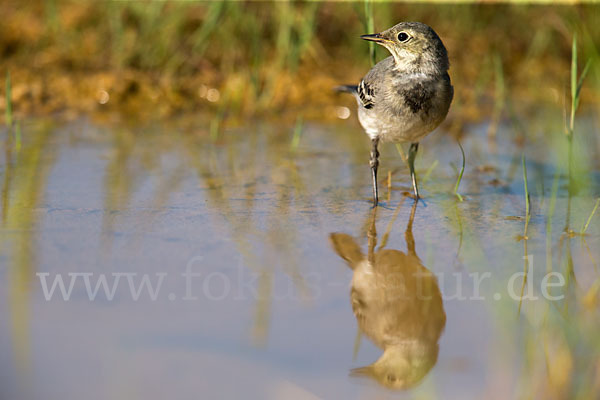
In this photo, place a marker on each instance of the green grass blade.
(584, 228)
(573, 82)
(585, 71)
(460, 174)
(574, 67)
(580, 83)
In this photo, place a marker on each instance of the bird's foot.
(416, 198)
(379, 204)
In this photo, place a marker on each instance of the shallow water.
(249, 297)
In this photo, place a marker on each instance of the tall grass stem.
(370, 28)
(8, 111)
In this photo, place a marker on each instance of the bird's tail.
(352, 89)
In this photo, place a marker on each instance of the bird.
(397, 304)
(407, 95)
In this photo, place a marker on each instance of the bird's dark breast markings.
(418, 97)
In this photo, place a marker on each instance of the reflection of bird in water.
(398, 305)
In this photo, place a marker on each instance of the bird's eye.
(403, 37)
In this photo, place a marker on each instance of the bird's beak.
(374, 37)
(363, 372)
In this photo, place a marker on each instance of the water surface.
(249, 297)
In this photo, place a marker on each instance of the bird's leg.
(412, 153)
(374, 163)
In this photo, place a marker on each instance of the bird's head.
(415, 46)
(402, 366)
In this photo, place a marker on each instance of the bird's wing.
(370, 86)
(366, 94)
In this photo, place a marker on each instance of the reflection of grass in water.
(25, 180)
(18, 136)
(131, 162)
(297, 133)
(431, 168)
(240, 225)
(525, 237)
(228, 171)
(119, 182)
(216, 125)
(562, 338)
(549, 216)
(459, 221)
(223, 177)
(120, 178)
(527, 197)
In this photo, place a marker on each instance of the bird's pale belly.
(409, 127)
